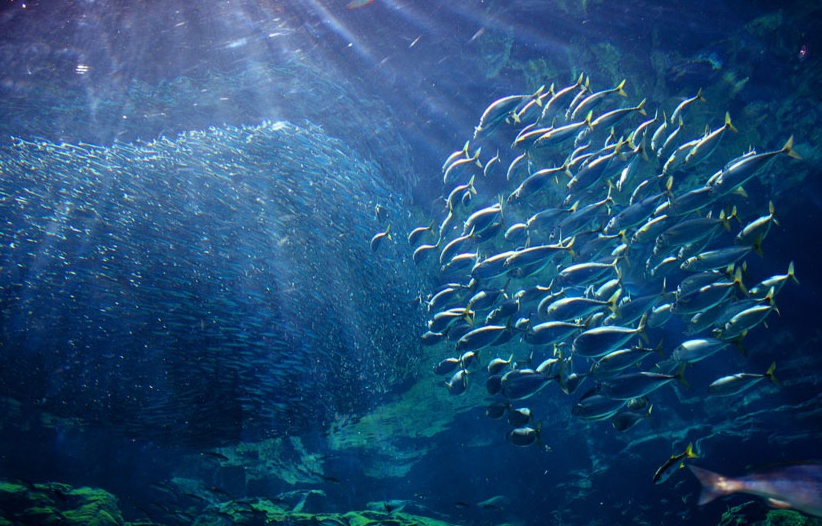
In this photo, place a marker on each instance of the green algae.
(55, 503)
(752, 513)
(789, 518)
(263, 511)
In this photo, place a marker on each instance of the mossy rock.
(263, 511)
(41, 515)
(94, 507)
(11, 488)
(93, 515)
(55, 503)
(355, 519)
(789, 518)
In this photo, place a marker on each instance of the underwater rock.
(263, 511)
(283, 458)
(789, 518)
(55, 503)
(415, 417)
(752, 513)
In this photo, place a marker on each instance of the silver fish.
(595, 99)
(754, 232)
(600, 341)
(482, 219)
(446, 366)
(524, 436)
(680, 109)
(708, 144)
(606, 120)
(628, 419)
(421, 251)
(550, 332)
(618, 361)
(418, 232)
(775, 283)
(480, 337)
(676, 462)
(519, 417)
(560, 100)
(742, 169)
(692, 351)
(496, 365)
(715, 259)
(458, 383)
(736, 383)
(534, 182)
(520, 384)
(377, 239)
(561, 134)
(491, 266)
(744, 321)
(594, 406)
(501, 109)
(634, 385)
(574, 308)
(462, 169)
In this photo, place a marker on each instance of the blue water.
(191, 313)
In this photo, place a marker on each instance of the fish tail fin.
(769, 298)
(791, 273)
(770, 374)
(641, 327)
(772, 212)
(713, 484)
(788, 148)
(689, 451)
(613, 301)
(680, 377)
(729, 124)
(536, 95)
(644, 147)
(669, 183)
(738, 280)
(699, 96)
(725, 218)
(640, 108)
(757, 247)
(658, 349)
(738, 343)
(619, 90)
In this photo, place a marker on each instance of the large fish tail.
(713, 484)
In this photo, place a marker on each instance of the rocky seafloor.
(23, 503)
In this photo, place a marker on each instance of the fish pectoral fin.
(776, 503)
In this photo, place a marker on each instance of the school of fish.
(574, 231)
(183, 290)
